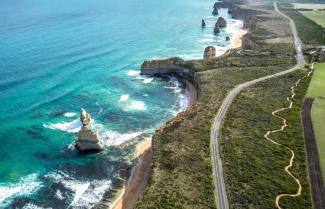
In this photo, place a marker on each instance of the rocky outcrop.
(203, 23)
(171, 66)
(209, 52)
(216, 29)
(227, 38)
(221, 22)
(88, 139)
(215, 11)
(248, 42)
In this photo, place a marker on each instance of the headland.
(188, 75)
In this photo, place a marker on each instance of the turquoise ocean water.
(59, 56)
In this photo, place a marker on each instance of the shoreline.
(138, 179)
(141, 172)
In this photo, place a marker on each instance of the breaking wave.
(25, 186)
(71, 127)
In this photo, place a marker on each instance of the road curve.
(222, 201)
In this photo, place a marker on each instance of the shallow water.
(59, 56)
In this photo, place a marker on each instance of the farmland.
(316, 91)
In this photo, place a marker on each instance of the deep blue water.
(59, 56)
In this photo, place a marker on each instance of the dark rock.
(227, 38)
(57, 113)
(41, 155)
(37, 115)
(203, 23)
(215, 11)
(216, 29)
(221, 22)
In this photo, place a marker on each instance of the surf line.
(267, 136)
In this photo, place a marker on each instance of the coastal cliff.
(175, 67)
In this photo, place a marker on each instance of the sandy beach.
(141, 173)
(237, 43)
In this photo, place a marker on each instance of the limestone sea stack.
(221, 22)
(216, 29)
(88, 139)
(215, 11)
(209, 52)
(203, 23)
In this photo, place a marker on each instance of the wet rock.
(209, 52)
(216, 29)
(57, 113)
(221, 22)
(41, 155)
(215, 11)
(227, 38)
(203, 23)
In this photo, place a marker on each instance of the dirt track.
(317, 184)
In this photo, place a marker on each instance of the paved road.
(222, 201)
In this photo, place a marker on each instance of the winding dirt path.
(285, 124)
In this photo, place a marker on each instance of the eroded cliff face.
(88, 139)
(209, 52)
(171, 66)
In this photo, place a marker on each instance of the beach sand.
(237, 40)
(141, 173)
(138, 180)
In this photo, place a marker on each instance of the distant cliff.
(171, 66)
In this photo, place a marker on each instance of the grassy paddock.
(308, 6)
(317, 91)
(253, 166)
(316, 16)
(309, 31)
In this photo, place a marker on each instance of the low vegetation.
(316, 16)
(316, 91)
(253, 166)
(309, 31)
(181, 169)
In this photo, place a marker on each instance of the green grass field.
(310, 31)
(317, 85)
(316, 16)
(308, 6)
(317, 91)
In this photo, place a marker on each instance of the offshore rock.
(203, 23)
(216, 29)
(88, 139)
(227, 38)
(209, 52)
(215, 11)
(221, 22)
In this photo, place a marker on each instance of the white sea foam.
(124, 97)
(80, 189)
(134, 105)
(112, 138)
(86, 193)
(93, 194)
(206, 40)
(32, 206)
(71, 127)
(133, 72)
(147, 80)
(137, 105)
(25, 186)
(70, 114)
